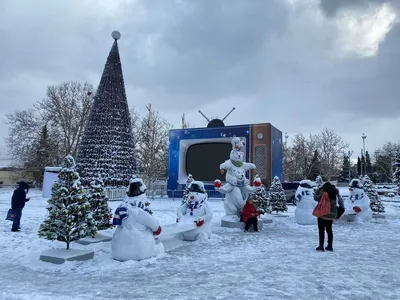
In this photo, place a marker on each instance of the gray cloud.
(274, 62)
(331, 7)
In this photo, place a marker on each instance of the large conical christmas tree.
(70, 217)
(107, 146)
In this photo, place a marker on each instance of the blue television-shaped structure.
(200, 151)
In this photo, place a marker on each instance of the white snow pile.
(280, 262)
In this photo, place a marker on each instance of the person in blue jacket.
(18, 203)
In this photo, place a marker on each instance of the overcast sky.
(300, 64)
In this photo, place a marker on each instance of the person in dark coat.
(325, 222)
(249, 215)
(18, 201)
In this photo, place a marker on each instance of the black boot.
(329, 248)
(320, 248)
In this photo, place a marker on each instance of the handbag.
(10, 215)
(323, 207)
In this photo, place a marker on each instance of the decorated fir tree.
(69, 215)
(376, 203)
(277, 196)
(107, 145)
(260, 197)
(98, 199)
(396, 168)
(186, 191)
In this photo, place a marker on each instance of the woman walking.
(325, 222)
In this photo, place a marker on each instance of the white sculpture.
(196, 210)
(305, 203)
(133, 238)
(236, 162)
(237, 186)
(357, 206)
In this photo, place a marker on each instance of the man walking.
(18, 203)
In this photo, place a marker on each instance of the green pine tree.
(376, 203)
(396, 168)
(98, 199)
(69, 214)
(261, 199)
(277, 196)
(368, 164)
(344, 174)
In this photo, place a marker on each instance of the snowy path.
(278, 263)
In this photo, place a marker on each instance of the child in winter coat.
(249, 215)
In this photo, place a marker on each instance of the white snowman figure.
(196, 210)
(134, 237)
(357, 206)
(305, 203)
(236, 162)
(237, 187)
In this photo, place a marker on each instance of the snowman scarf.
(244, 193)
(194, 205)
(121, 213)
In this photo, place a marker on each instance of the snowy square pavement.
(278, 263)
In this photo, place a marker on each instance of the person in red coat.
(249, 215)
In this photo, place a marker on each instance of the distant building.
(11, 175)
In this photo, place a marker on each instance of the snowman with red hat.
(196, 210)
(357, 206)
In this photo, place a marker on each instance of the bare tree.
(300, 156)
(318, 153)
(331, 147)
(153, 146)
(44, 153)
(66, 107)
(23, 129)
(136, 125)
(384, 159)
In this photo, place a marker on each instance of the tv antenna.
(216, 122)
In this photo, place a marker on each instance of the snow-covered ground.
(278, 263)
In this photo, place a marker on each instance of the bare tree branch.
(67, 107)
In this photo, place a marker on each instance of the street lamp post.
(349, 155)
(363, 136)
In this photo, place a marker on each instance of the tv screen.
(203, 160)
